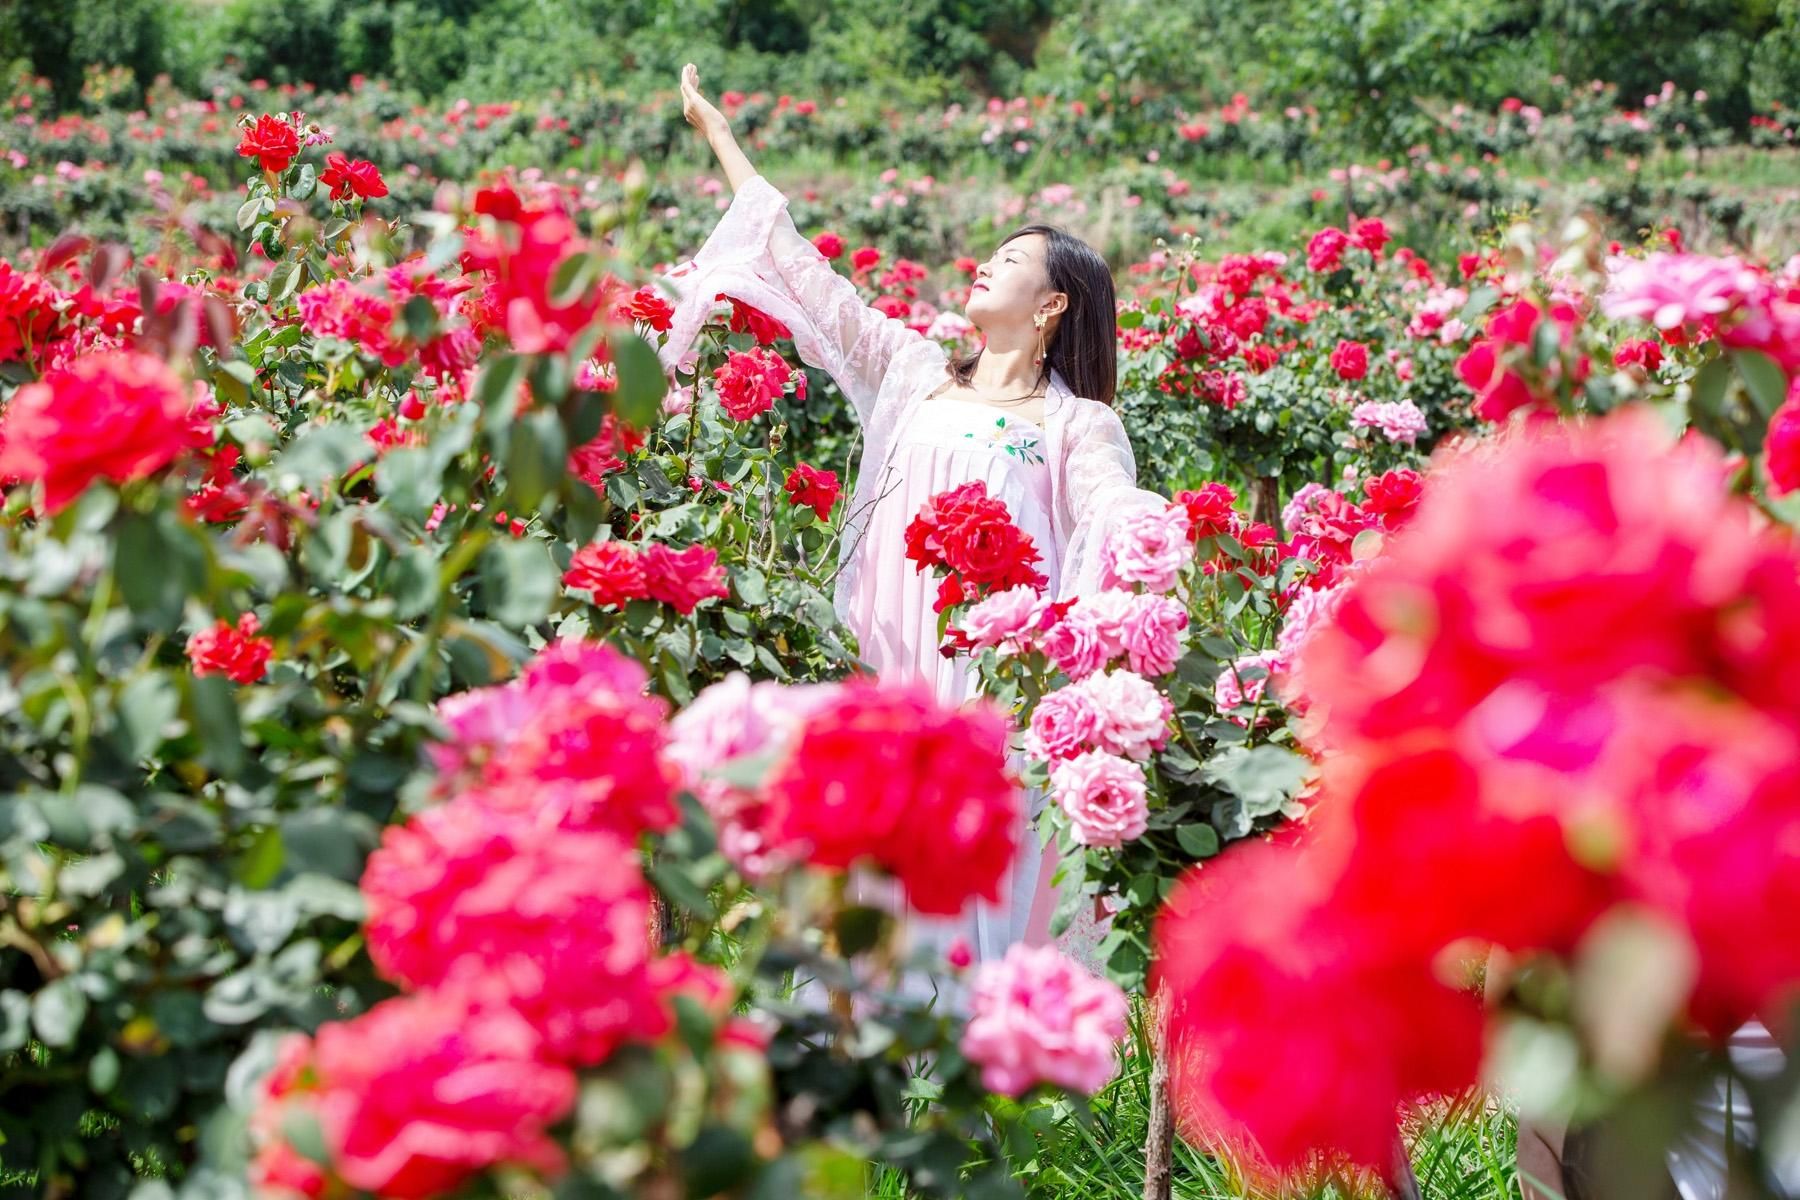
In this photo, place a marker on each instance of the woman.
(1028, 415)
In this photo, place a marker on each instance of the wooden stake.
(1159, 1140)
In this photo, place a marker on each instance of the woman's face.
(1011, 285)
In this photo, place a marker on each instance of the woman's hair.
(1085, 348)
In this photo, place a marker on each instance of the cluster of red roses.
(519, 252)
(970, 536)
(121, 416)
(1561, 697)
(516, 916)
(1505, 382)
(615, 571)
(750, 382)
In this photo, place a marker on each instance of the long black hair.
(1085, 348)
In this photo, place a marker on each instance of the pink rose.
(1005, 619)
(1149, 548)
(1246, 681)
(1038, 1017)
(1103, 797)
(1151, 633)
(1307, 609)
(1062, 725)
(1133, 717)
(729, 721)
(1076, 644)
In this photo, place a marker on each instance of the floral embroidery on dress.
(1015, 441)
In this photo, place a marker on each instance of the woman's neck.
(1002, 370)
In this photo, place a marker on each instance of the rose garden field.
(432, 763)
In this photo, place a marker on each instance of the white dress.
(944, 444)
(914, 446)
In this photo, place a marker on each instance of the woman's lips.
(979, 287)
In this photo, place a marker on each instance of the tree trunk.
(1265, 501)
(1159, 1141)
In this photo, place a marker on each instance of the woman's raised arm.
(833, 329)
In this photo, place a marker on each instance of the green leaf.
(858, 928)
(714, 1162)
(642, 386)
(248, 211)
(412, 580)
(1765, 379)
(214, 701)
(497, 391)
(306, 184)
(519, 581)
(1263, 777)
(1201, 841)
(284, 281)
(420, 318)
(752, 586)
(15, 1020)
(321, 454)
(573, 278)
(261, 860)
(57, 1012)
(536, 460)
(146, 706)
(158, 563)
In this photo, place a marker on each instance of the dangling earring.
(1038, 319)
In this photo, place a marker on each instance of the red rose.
(1371, 234)
(1287, 1030)
(1211, 511)
(1639, 353)
(1325, 252)
(749, 383)
(886, 774)
(1350, 360)
(121, 415)
(1394, 495)
(683, 578)
(592, 462)
(236, 653)
(271, 141)
(415, 1096)
(865, 258)
(1498, 392)
(609, 571)
(808, 485)
(647, 306)
(1781, 448)
(757, 323)
(1261, 357)
(829, 244)
(344, 177)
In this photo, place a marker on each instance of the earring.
(1038, 319)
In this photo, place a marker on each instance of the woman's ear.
(1056, 305)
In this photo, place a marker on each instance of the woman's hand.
(697, 109)
(701, 114)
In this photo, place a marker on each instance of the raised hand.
(697, 109)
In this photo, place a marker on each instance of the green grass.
(1461, 1150)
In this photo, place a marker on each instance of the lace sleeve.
(855, 342)
(1099, 488)
(757, 256)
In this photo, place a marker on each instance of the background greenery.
(1362, 62)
